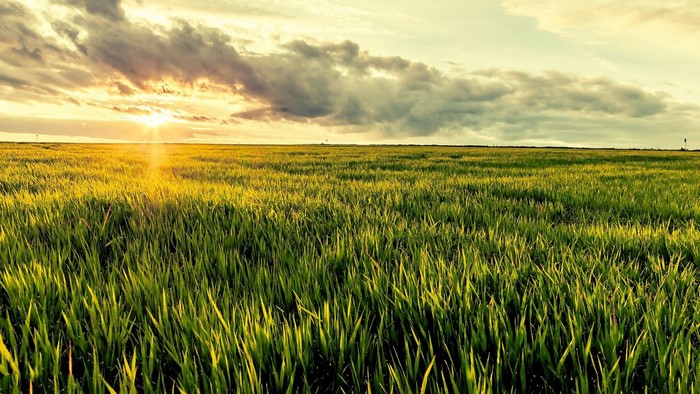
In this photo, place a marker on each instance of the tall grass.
(356, 269)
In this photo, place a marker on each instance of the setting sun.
(155, 120)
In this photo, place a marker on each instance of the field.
(140, 268)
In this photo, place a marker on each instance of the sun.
(155, 120)
(152, 120)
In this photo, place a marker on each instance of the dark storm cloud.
(123, 89)
(185, 53)
(342, 85)
(20, 42)
(109, 9)
(557, 91)
(347, 53)
(12, 81)
(196, 118)
(331, 84)
(131, 109)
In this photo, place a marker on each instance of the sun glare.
(155, 120)
(152, 120)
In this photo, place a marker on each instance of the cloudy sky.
(614, 73)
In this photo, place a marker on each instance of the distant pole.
(685, 141)
(37, 138)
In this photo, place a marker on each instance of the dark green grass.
(326, 269)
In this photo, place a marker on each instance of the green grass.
(133, 268)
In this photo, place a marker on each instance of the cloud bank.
(338, 85)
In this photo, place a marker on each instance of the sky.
(601, 73)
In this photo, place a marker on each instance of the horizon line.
(379, 145)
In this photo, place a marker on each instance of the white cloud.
(663, 20)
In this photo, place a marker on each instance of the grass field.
(134, 268)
